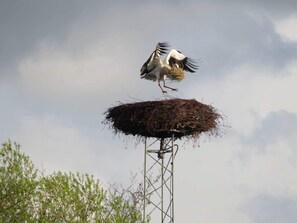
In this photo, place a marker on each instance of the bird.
(172, 66)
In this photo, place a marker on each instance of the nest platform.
(164, 118)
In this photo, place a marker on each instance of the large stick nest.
(162, 119)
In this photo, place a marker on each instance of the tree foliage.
(27, 195)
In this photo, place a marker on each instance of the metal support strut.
(159, 179)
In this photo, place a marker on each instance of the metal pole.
(162, 180)
(172, 179)
(144, 180)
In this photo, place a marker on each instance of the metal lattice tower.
(158, 192)
(161, 123)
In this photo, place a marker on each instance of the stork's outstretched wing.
(176, 58)
(148, 66)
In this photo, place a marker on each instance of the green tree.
(28, 196)
(68, 197)
(18, 180)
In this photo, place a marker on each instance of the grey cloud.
(23, 24)
(223, 36)
(268, 209)
(276, 124)
(278, 8)
(233, 38)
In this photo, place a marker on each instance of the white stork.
(172, 67)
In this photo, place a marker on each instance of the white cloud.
(56, 145)
(286, 28)
(51, 143)
(94, 70)
(271, 172)
(247, 95)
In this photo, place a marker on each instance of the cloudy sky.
(63, 63)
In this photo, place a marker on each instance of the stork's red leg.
(164, 92)
(173, 89)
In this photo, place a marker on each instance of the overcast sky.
(63, 63)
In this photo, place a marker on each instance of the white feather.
(175, 54)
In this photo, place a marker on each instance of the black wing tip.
(190, 65)
(163, 47)
(163, 44)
